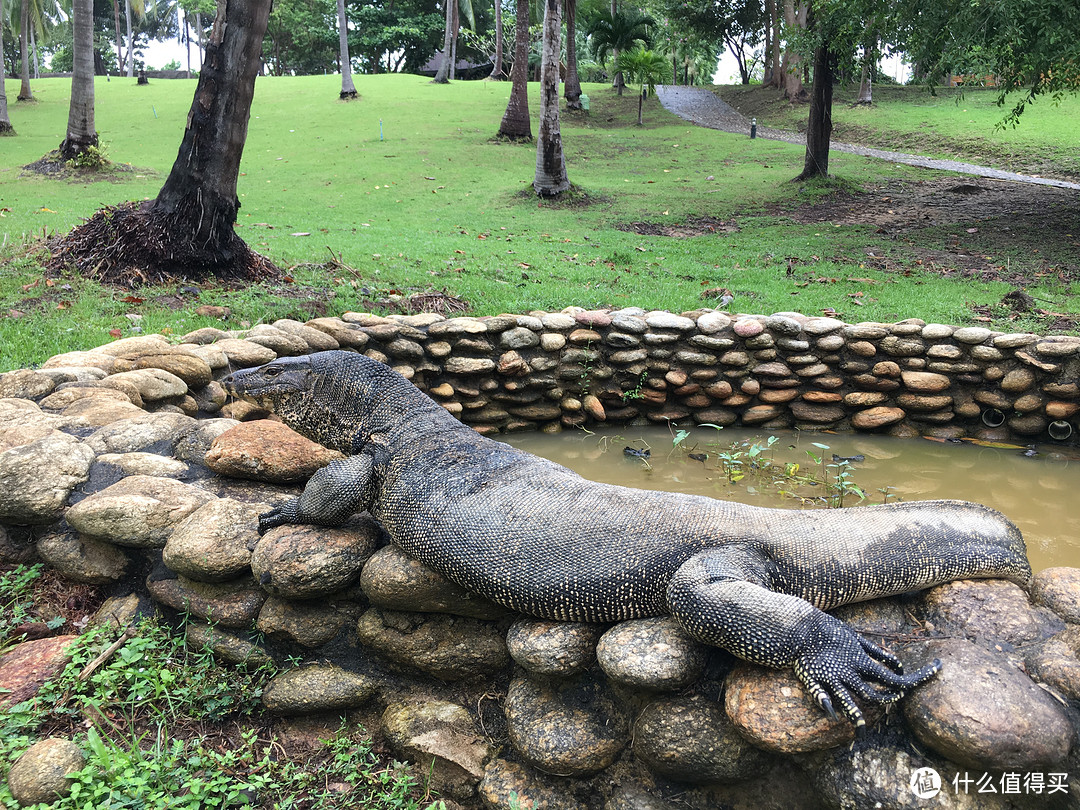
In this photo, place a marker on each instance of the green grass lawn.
(405, 191)
(951, 122)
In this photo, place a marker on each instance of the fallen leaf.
(115, 333)
(300, 233)
(132, 299)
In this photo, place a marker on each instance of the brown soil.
(695, 226)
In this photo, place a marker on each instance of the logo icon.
(925, 783)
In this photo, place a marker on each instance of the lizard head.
(280, 386)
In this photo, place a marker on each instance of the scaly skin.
(540, 539)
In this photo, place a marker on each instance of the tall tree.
(572, 89)
(516, 124)
(443, 74)
(5, 122)
(791, 65)
(25, 93)
(497, 72)
(188, 228)
(81, 134)
(819, 123)
(550, 179)
(735, 24)
(348, 89)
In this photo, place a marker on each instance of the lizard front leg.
(726, 597)
(332, 495)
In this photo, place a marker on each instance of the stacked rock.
(126, 458)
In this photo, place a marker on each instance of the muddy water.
(1040, 493)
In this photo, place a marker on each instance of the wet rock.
(991, 610)
(553, 648)
(140, 432)
(316, 688)
(265, 450)
(512, 786)
(309, 624)
(228, 604)
(654, 653)
(1057, 662)
(117, 612)
(82, 559)
(1059, 590)
(574, 728)
(879, 773)
(394, 580)
(692, 740)
(192, 445)
(139, 511)
(17, 547)
(983, 712)
(40, 775)
(773, 711)
(26, 666)
(228, 647)
(213, 543)
(877, 417)
(304, 562)
(36, 478)
(447, 647)
(442, 739)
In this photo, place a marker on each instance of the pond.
(791, 469)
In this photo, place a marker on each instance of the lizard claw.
(838, 665)
(278, 516)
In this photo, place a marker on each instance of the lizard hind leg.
(729, 597)
(332, 495)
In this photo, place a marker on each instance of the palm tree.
(81, 134)
(515, 121)
(648, 68)
(572, 91)
(454, 10)
(550, 179)
(25, 93)
(348, 89)
(613, 33)
(5, 122)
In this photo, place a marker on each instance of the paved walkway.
(704, 108)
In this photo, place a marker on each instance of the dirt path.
(704, 108)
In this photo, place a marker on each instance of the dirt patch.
(695, 226)
(55, 167)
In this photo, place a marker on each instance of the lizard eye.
(271, 371)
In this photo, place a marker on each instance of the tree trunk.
(515, 121)
(81, 134)
(188, 230)
(199, 31)
(819, 124)
(866, 92)
(5, 122)
(640, 104)
(348, 89)
(130, 41)
(777, 23)
(187, 40)
(25, 93)
(550, 180)
(443, 75)
(497, 73)
(572, 90)
(791, 69)
(119, 48)
(767, 67)
(453, 42)
(617, 80)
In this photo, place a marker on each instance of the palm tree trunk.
(348, 89)
(25, 93)
(819, 124)
(791, 70)
(497, 70)
(199, 38)
(516, 123)
(617, 80)
(81, 133)
(550, 179)
(34, 52)
(443, 76)
(119, 44)
(5, 122)
(130, 41)
(572, 90)
(453, 41)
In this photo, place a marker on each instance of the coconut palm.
(81, 134)
(614, 33)
(5, 122)
(348, 89)
(647, 68)
(572, 90)
(25, 93)
(550, 179)
(454, 11)
(515, 121)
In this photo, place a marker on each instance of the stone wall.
(124, 466)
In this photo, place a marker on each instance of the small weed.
(92, 158)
